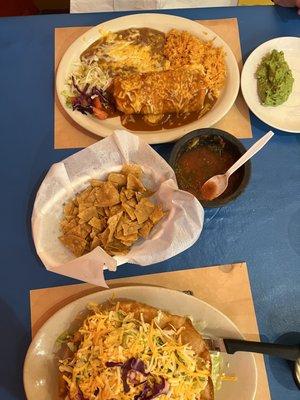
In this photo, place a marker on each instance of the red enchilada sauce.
(136, 122)
(203, 158)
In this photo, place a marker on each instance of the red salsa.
(204, 157)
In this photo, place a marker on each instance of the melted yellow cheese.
(116, 336)
(121, 55)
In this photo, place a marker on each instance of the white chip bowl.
(162, 23)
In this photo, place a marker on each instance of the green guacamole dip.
(274, 79)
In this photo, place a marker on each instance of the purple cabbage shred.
(150, 393)
(79, 395)
(112, 364)
(129, 371)
(106, 99)
(84, 101)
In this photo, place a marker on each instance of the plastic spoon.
(217, 185)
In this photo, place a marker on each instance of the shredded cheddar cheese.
(123, 54)
(115, 337)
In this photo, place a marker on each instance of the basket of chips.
(114, 202)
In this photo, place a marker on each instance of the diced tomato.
(97, 103)
(73, 99)
(100, 114)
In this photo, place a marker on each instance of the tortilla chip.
(141, 216)
(74, 243)
(134, 183)
(140, 195)
(129, 193)
(106, 211)
(133, 169)
(66, 225)
(123, 197)
(95, 242)
(94, 232)
(115, 209)
(132, 227)
(145, 229)
(117, 248)
(117, 179)
(88, 213)
(81, 230)
(96, 182)
(75, 211)
(83, 195)
(127, 240)
(112, 223)
(84, 206)
(130, 211)
(91, 198)
(104, 237)
(101, 211)
(143, 210)
(124, 220)
(106, 195)
(146, 203)
(69, 208)
(97, 223)
(131, 202)
(69, 218)
(157, 214)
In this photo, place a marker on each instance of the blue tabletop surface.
(262, 227)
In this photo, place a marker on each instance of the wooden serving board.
(68, 134)
(226, 287)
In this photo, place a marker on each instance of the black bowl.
(237, 147)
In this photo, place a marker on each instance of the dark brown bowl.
(181, 146)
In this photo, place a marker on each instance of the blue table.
(262, 227)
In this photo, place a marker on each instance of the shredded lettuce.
(200, 326)
(216, 358)
(63, 337)
(85, 73)
(216, 371)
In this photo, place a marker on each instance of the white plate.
(285, 117)
(40, 368)
(162, 23)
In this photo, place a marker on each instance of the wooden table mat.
(68, 134)
(226, 287)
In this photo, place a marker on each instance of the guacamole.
(274, 79)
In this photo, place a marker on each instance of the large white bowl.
(285, 117)
(40, 368)
(162, 23)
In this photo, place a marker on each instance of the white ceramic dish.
(40, 368)
(163, 23)
(285, 117)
